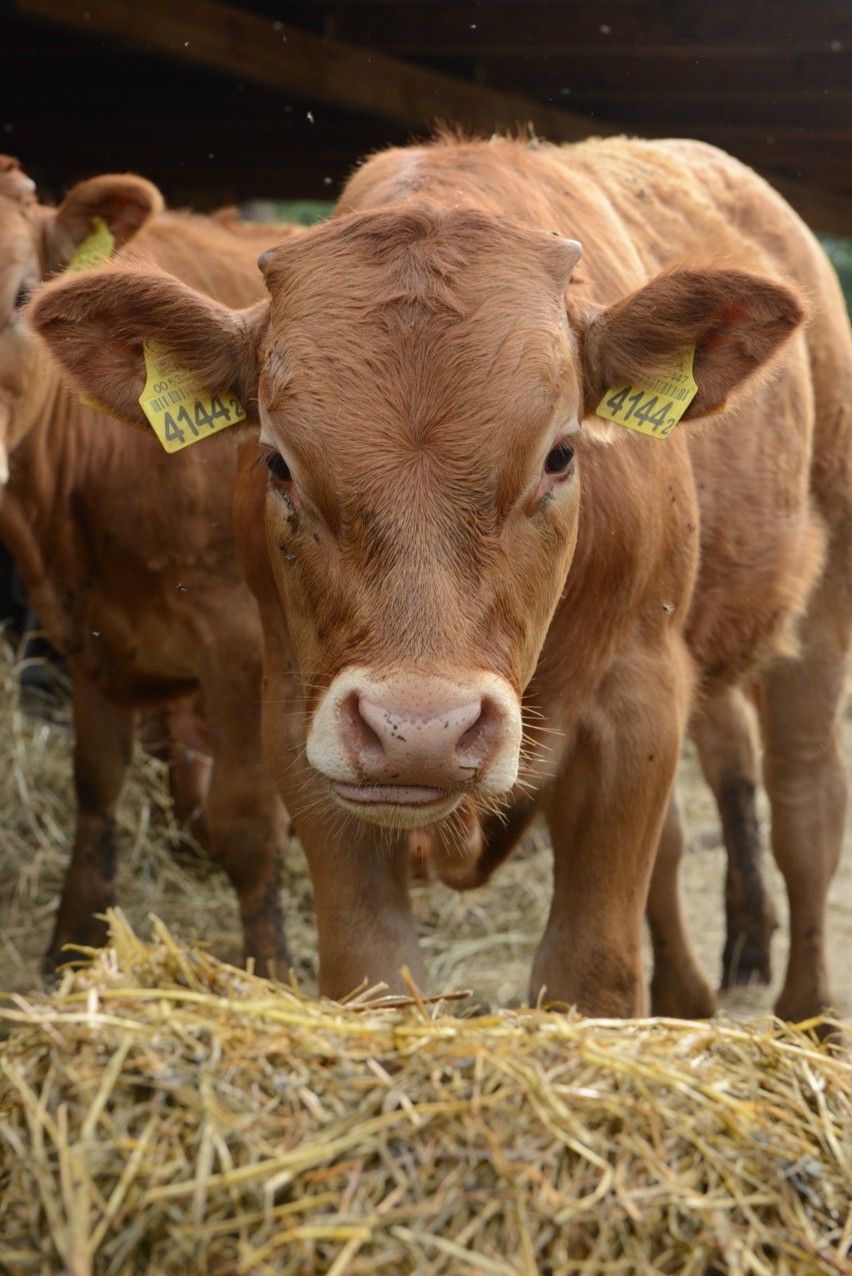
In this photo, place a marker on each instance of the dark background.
(220, 102)
(259, 100)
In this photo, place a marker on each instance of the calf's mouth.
(402, 806)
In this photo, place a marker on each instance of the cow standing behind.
(128, 555)
(450, 547)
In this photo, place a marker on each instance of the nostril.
(480, 739)
(357, 732)
(468, 740)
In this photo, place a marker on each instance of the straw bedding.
(166, 1113)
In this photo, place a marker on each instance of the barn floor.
(482, 940)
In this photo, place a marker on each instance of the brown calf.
(451, 548)
(128, 553)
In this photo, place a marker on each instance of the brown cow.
(451, 548)
(128, 554)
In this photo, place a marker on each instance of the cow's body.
(128, 557)
(436, 574)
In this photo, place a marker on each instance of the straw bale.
(165, 1113)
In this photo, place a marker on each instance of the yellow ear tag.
(654, 408)
(180, 411)
(95, 249)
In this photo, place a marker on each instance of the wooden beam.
(317, 70)
(435, 28)
(699, 69)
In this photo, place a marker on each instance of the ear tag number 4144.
(654, 408)
(182, 412)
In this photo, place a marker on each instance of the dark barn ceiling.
(218, 102)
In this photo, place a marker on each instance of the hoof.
(691, 999)
(745, 962)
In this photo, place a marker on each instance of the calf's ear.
(737, 321)
(122, 200)
(95, 323)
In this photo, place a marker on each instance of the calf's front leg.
(243, 817)
(725, 737)
(679, 987)
(606, 810)
(103, 746)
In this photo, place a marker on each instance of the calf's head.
(35, 243)
(424, 393)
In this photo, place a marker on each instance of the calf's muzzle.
(403, 750)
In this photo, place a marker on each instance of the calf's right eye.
(278, 467)
(559, 459)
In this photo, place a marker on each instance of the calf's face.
(422, 505)
(424, 394)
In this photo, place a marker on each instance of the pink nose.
(420, 741)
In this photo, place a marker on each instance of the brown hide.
(451, 551)
(128, 555)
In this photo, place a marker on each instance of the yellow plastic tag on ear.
(656, 407)
(181, 412)
(95, 249)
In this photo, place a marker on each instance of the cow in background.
(128, 558)
(450, 546)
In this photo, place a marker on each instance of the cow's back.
(769, 474)
(216, 256)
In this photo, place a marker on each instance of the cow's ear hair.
(95, 324)
(122, 200)
(737, 321)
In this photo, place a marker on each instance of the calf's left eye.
(558, 459)
(278, 467)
